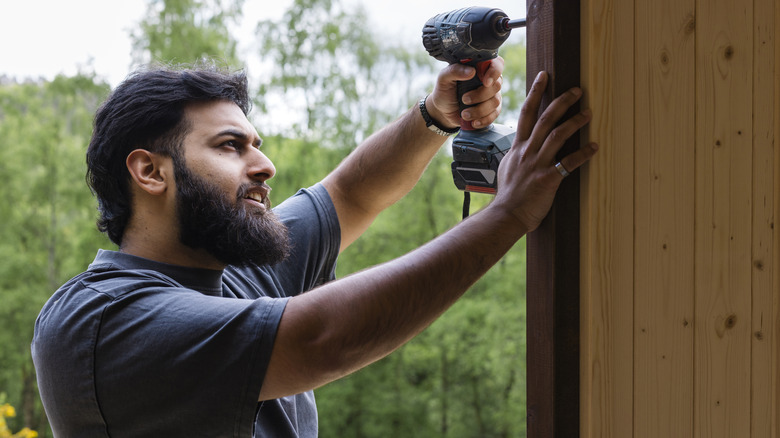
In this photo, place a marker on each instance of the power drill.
(472, 36)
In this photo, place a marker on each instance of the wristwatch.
(432, 124)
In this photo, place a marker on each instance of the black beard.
(230, 232)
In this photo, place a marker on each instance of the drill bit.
(506, 24)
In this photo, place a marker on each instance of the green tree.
(464, 376)
(329, 68)
(299, 163)
(513, 88)
(186, 31)
(48, 215)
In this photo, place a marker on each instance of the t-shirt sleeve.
(169, 353)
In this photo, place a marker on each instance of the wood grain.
(664, 218)
(724, 160)
(764, 338)
(553, 248)
(680, 260)
(607, 221)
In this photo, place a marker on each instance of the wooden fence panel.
(607, 221)
(724, 164)
(664, 218)
(765, 273)
(680, 259)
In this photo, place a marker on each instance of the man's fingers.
(530, 109)
(492, 80)
(551, 115)
(484, 113)
(579, 157)
(553, 142)
(457, 72)
(493, 72)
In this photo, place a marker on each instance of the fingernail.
(488, 82)
(466, 100)
(476, 123)
(576, 92)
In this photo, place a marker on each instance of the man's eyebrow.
(241, 135)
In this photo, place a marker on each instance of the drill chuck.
(468, 35)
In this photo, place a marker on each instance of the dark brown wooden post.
(553, 249)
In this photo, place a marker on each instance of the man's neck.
(166, 250)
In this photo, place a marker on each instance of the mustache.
(245, 189)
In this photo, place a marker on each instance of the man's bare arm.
(388, 164)
(349, 323)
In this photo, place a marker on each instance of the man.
(198, 325)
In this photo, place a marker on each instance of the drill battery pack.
(476, 156)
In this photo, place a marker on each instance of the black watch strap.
(433, 125)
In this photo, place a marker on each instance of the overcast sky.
(42, 38)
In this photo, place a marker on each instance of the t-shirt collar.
(207, 281)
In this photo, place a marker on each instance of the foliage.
(186, 31)
(6, 411)
(329, 67)
(513, 88)
(48, 214)
(299, 163)
(464, 376)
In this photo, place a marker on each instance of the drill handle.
(472, 84)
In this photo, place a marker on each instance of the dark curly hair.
(146, 111)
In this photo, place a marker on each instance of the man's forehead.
(215, 116)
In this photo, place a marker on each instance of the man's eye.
(231, 144)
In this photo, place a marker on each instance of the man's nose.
(260, 166)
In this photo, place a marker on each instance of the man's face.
(222, 199)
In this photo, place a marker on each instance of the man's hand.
(442, 104)
(527, 177)
(389, 163)
(349, 323)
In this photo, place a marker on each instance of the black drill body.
(472, 36)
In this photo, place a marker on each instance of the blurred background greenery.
(340, 81)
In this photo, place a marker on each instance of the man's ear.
(151, 172)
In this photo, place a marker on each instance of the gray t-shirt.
(137, 348)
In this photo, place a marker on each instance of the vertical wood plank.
(553, 249)
(706, 257)
(765, 113)
(774, 382)
(607, 237)
(664, 218)
(724, 163)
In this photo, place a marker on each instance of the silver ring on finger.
(562, 170)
